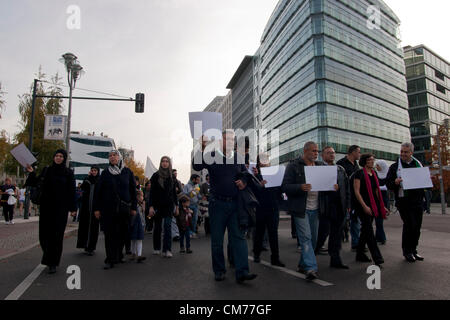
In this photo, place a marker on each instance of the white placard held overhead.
(273, 175)
(251, 166)
(55, 127)
(321, 178)
(23, 155)
(203, 123)
(416, 178)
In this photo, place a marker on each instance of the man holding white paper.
(408, 202)
(304, 204)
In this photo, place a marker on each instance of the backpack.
(36, 192)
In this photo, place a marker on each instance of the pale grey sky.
(180, 53)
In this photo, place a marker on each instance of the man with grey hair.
(304, 205)
(408, 202)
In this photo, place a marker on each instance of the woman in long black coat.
(58, 198)
(88, 227)
(114, 201)
(164, 204)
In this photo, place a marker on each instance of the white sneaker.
(7, 222)
(194, 236)
(156, 252)
(11, 222)
(169, 254)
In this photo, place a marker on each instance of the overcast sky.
(180, 53)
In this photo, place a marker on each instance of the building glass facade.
(327, 77)
(428, 85)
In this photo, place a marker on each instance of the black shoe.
(219, 277)
(90, 253)
(247, 277)
(188, 251)
(301, 270)
(140, 259)
(410, 257)
(256, 259)
(176, 238)
(264, 249)
(363, 258)
(379, 262)
(51, 269)
(311, 275)
(418, 257)
(108, 266)
(339, 266)
(278, 263)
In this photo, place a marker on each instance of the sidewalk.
(23, 235)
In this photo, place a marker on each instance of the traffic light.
(139, 106)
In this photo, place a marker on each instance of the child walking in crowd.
(137, 227)
(184, 221)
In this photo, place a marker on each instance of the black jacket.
(342, 197)
(412, 197)
(164, 199)
(109, 186)
(294, 177)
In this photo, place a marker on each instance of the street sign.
(55, 127)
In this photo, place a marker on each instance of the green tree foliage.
(43, 149)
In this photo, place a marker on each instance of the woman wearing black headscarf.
(164, 200)
(57, 199)
(114, 201)
(89, 225)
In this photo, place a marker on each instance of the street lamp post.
(74, 70)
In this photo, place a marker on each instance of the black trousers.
(331, 226)
(8, 212)
(367, 236)
(116, 234)
(270, 220)
(412, 216)
(51, 238)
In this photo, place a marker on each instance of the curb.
(67, 234)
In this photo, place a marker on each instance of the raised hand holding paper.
(321, 178)
(23, 155)
(205, 123)
(273, 175)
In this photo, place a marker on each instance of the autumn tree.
(433, 156)
(43, 149)
(137, 168)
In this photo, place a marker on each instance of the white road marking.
(21, 288)
(294, 273)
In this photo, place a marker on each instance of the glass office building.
(427, 75)
(326, 76)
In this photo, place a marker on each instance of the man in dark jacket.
(350, 164)
(304, 205)
(224, 166)
(408, 202)
(337, 204)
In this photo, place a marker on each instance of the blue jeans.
(185, 235)
(193, 228)
(355, 228)
(223, 215)
(307, 229)
(167, 239)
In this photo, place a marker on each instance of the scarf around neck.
(373, 204)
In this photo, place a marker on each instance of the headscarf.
(382, 174)
(116, 169)
(62, 166)
(93, 179)
(165, 174)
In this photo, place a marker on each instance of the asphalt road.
(190, 276)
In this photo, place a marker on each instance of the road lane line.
(294, 273)
(21, 288)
